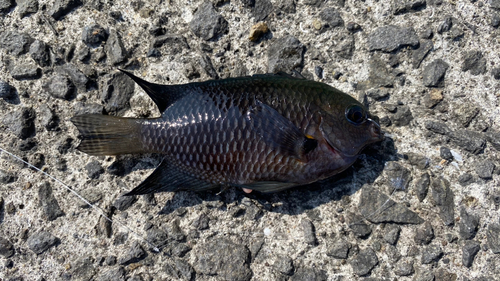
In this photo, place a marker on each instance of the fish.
(266, 132)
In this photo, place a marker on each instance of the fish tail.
(108, 135)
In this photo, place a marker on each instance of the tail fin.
(108, 135)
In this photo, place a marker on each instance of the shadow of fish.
(264, 132)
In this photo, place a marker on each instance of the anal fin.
(268, 186)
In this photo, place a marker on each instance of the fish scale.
(265, 132)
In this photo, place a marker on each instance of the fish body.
(265, 133)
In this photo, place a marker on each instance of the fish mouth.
(375, 131)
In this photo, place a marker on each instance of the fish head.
(347, 126)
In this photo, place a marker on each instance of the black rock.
(493, 137)
(284, 265)
(83, 269)
(116, 274)
(122, 203)
(48, 203)
(110, 260)
(391, 234)
(21, 122)
(465, 179)
(434, 72)
(115, 51)
(353, 27)
(445, 153)
(40, 53)
(468, 140)
(431, 254)
(175, 43)
(309, 274)
(390, 38)
(417, 160)
(446, 25)
(5, 90)
(404, 6)
(60, 8)
(94, 35)
(60, 86)
(484, 169)
(41, 241)
(332, 17)
(468, 224)
(398, 177)
(247, 3)
(469, 252)
(318, 70)
(285, 54)
(444, 197)
(25, 72)
(363, 263)
(418, 55)
(339, 250)
(404, 268)
(474, 62)
(309, 232)
(222, 257)
(422, 186)
(77, 77)
(424, 234)
(5, 6)
(6, 248)
(135, 254)
(496, 73)
(157, 236)
(153, 53)
(206, 64)
(495, 20)
(94, 169)
(15, 43)
(370, 206)
(437, 127)
(261, 9)
(493, 236)
(207, 23)
(117, 91)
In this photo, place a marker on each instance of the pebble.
(26, 7)
(94, 35)
(60, 86)
(77, 77)
(345, 48)
(48, 203)
(437, 127)
(444, 198)
(91, 195)
(157, 236)
(418, 55)
(206, 64)
(288, 6)
(135, 254)
(21, 122)
(39, 52)
(370, 204)
(257, 30)
(417, 160)
(5, 178)
(474, 62)
(353, 27)
(5, 90)
(318, 70)
(445, 25)
(40, 242)
(358, 227)
(207, 23)
(82, 269)
(261, 9)
(332, 17)
(424, 275)
(284, 265)
(25, 72)
(94, 169)
(391, 233)
(116, 92)
(123, 202)
(493, 237)
(378, 93)
(431, 253)
(404, 268)
(5, 6)
(434, 73)
(493, 138)
(339, 250)
(60, 8)
(224, 258)
(484, 169)
(379, 75)
(202, 222)
(495, 20)
(363, 263)
(309, 232)
(309, 274)
(495, 72)
(469, 252)
(445, 153)
(115, 51)
(468, 140)
(285, 54)
(6, 248)
(14, 43)
(422, 186)
(424, 234)
(390, 38)
(115, 274)
(465, 113)
(405, 6)
(465, 179)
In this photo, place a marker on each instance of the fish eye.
(355, 114)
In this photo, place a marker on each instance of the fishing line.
(97, 209)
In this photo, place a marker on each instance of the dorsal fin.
(162, 95)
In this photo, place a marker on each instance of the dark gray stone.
(25, 72)
(493, 236)
(379, 75)
(157, 237)
(261, 9)
(465, 179)
(15, 43)
(115, 51)
(445, 153)
(60, 86)
(442, 274)
(60, 8)
(431, 253)
(474, 62)
(443, 197)
(358, 227)
(332, 17)
(5, 90)
(390, 38)
(48, 203)
(468, 140)
(223, 258)
(309, 232)
(83, 269)
(393, 254)
(484, 169)
(424, 275)
(26, 7)
(495, 20)
(418, 160)
(206, 64)
(469, 252)
(391, 233)
(40, 242)
(174, 231)
(345, 48)
(318, 70)
(496, 73)
(405, 6)
(207, 23)
(6, 248)
(339, 250)
(284, 265)
(122, 203)
(465, 113)
(91, 195)
(134, 254)
(418, 55)
(88, 108)
(363, 263)
(21, 122)
(94, 169)
(309, 274)
(445, 25)
(288, 6)
(404, 268)
(94, 35)
(5, 178)
(248, 3)
(378, 93)
(116, 93)
(175, 43)
(5, 6)
(370, 206)
(422, 186)
(398, 176)
(285, 54)
(493, 137)
(456, 33)
(202, 222)
(77, 77)
(434, 73)
(437, 127)
(39, 52)
(116, 274)
(353, 27)
(468, 224)
(424, 234)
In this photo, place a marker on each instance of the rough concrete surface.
(437, 172)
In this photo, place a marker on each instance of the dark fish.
(265, 132)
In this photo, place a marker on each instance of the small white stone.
(267, 231)
(457, 156)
